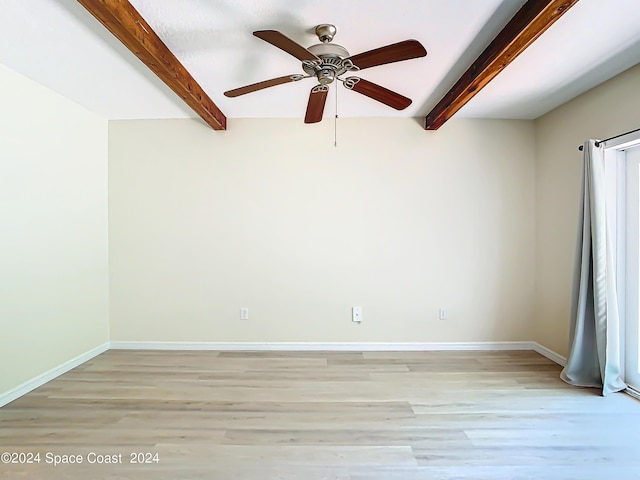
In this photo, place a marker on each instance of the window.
(632, 270)
(622, 166)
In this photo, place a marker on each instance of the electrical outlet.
(244, 313)
(442, 313)
(356, 314)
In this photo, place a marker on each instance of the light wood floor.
(318, 415)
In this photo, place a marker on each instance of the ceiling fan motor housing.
(331, 64)
(329, 50)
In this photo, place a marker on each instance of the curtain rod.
(581, 147)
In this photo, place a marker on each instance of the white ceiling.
(58, 44)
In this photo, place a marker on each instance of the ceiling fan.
(327, 62)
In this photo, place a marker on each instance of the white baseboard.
(550, 354)
(40, 380)
(322, 346)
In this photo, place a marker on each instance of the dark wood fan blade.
(315, 107)
(381, 94)
(283, 42)
(396, 52)
(236, 92)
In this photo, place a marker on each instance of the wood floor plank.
(323, 415)
(288, 455)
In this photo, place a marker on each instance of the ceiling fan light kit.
(327, 62)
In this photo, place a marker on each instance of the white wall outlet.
(244, 313)
(356, 314)
(442, 314)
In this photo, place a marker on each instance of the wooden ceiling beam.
(523, 29)
(128, 26)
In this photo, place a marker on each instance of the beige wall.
(269, 215)
(609, 109)
(53, 230)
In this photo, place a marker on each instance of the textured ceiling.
(58, 44)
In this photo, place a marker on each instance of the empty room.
(320, 240)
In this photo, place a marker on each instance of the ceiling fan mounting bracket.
(326, 32)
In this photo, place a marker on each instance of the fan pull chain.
(335, 122)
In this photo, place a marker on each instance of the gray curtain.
(594, 353)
